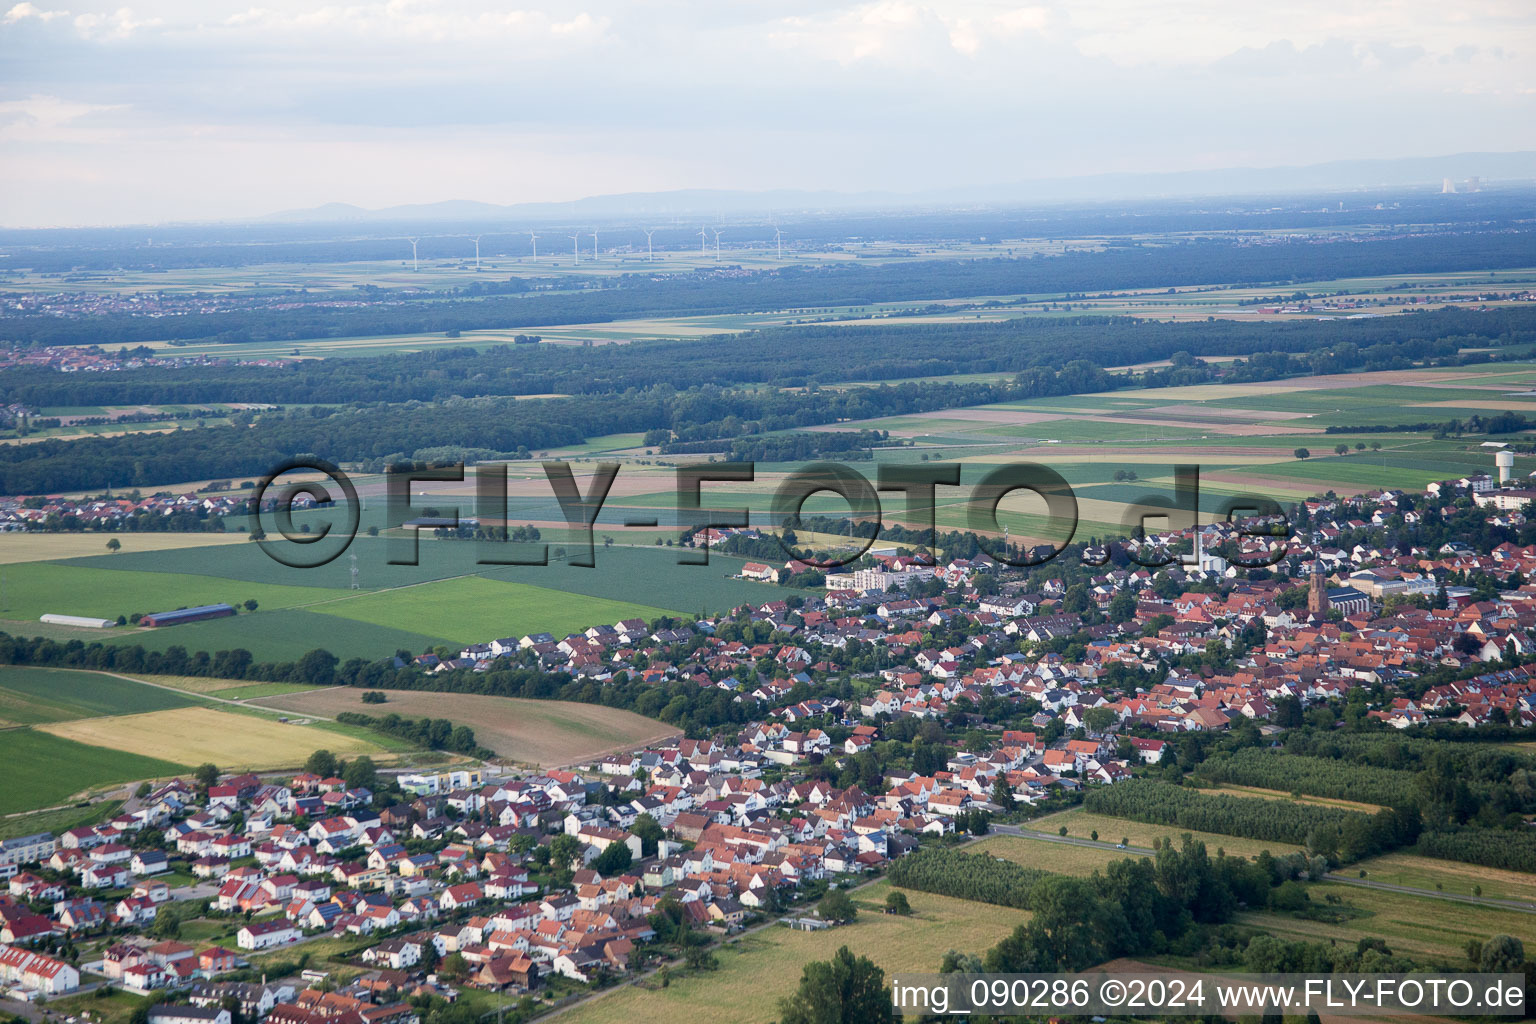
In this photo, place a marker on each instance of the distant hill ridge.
(1340, 174)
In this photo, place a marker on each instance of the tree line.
(432, 733)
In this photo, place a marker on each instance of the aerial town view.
(816, 513)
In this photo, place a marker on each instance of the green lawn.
(31, 696)
(44, 770)
(116, 1008)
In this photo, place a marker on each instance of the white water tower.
(1505, 460)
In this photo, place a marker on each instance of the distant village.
(82, 359)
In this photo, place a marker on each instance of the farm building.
(78, 620)
(182, 615)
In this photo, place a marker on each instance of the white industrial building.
(78, 620)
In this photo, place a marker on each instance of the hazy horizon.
(167, 111)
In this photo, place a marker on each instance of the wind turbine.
(702, 236)
(535, 240)
(415, 266)
(477, 252)
(650, 254)
(576, 248)
(717, 246)
(594, 244)
(778, 238)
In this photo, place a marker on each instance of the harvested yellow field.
(44, 547)
(548, 733)
(200, 735)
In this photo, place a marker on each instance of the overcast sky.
(199, 109)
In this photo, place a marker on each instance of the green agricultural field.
(1357, 469)
(253, 690)
(1107, 429)
(32, 696)
(1407, 868)
(33, 589)
(1418, 926)
(605, 443)
(644, 575)
(1082, 824)
(759, 969)
(284, 635)
(43, 770)
(61, 820)
(473, 609)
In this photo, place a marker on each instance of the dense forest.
(629, 296)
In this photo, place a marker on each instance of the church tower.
(1317, 592)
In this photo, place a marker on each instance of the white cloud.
(420, 21)
(1022, 19)
(44, 118)
(22, 11)
(119, 24)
